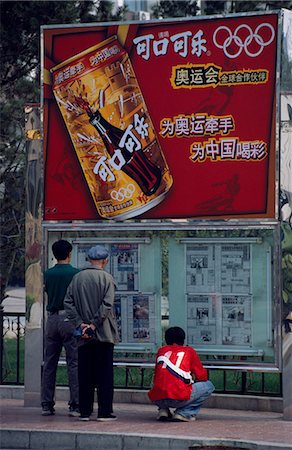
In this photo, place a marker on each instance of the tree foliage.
(168, 8)
(237, 6)
(214, 7)
(244, 6)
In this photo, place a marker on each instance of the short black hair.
(175, 335)
(61, 249)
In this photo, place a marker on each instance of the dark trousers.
(95, 370)
(59, 333)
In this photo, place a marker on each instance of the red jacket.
(175, 365)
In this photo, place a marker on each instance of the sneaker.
(164, 415)
(48, 410)
(109, 418)
(180, 418)
(74, 411)
(84, 418)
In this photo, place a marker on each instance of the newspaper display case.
(227, 288)
(219, 284)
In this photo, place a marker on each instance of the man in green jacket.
(89, 305)
(59, 332)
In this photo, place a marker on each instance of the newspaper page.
(201, 319)
(236, 320)
(136, 317)
(141, 318)
(82, 250)
(218, 289)
(125, 266)
(200, 268)
(235, 268)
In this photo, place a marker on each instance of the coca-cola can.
(111, 130)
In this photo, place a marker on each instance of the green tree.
(210, 7)
(170, 8)
(244, 6)
(214, 7)
(104, 11)
(19, 82)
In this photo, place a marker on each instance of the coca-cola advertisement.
(160, 120)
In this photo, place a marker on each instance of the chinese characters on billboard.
(168, 119)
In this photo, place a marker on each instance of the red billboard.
(157, 120)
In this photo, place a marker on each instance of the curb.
(71, 440)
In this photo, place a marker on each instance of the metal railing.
(12, 331)
(129, 373)
(139, 375)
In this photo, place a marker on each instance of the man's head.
(98, 255)
(175, 335)
(61, 250)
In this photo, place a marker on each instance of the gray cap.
(97, 252)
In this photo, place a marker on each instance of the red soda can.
(111, 130)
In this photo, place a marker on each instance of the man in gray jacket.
(89, 304)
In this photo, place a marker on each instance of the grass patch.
(13, 362)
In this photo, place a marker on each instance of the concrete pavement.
(137, 428)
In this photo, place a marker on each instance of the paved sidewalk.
(137, 428)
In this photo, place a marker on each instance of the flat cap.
(97, 252)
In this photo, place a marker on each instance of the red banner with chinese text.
(194, 98)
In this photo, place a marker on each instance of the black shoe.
(108, 418)
(48, 410)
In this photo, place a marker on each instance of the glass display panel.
(124, 266)
(222, 296)
(217, 284)
(224, 273)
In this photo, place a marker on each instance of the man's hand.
(87, 330)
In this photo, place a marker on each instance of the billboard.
(158, 120)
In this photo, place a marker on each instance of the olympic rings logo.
(243, 43)
(123, 193)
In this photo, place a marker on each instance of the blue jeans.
(187, 408)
